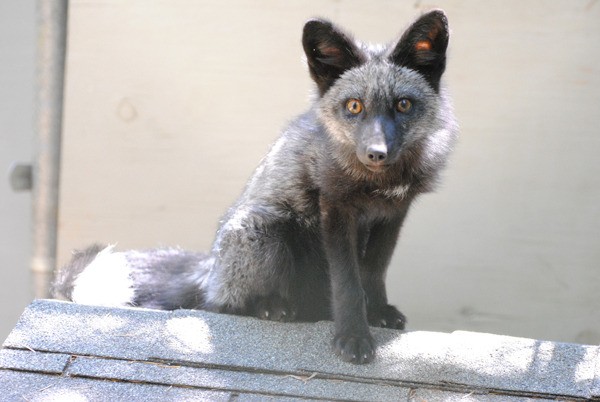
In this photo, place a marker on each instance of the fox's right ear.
(329, 52)
(423, 46)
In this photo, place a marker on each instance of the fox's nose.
(377, 153)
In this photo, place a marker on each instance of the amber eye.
(403, 105)
(354, 106)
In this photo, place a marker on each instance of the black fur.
(432, 28)
(312, 234)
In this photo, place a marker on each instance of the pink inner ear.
(424, 44)
(330, 51)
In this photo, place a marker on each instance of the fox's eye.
(403, 105)
(354, 106)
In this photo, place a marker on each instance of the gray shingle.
(34, 387)
(32, 360)
(48, 325)
(431, 395)
(518, 364)
(240, 381)
(595, 391)
(253, 358)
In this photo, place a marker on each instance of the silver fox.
(312, 235)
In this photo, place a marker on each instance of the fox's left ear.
(423, 47)
(329, 52)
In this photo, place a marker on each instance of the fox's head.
(383, 104)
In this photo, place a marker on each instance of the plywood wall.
(170, 106)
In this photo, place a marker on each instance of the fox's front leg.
(352, 341)
(380, 244)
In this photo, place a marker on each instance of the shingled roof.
(63, 351)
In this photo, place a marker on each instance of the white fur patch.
(237, 221)
(105, 281)
(395, 192)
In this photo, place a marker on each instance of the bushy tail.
(62, 286)
(164, 278)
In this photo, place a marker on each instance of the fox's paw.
(358, 349)
(386, 316)
(275, 308)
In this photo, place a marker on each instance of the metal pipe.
(51, 47)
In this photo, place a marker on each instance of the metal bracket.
(20, 176)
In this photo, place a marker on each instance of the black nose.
(377, 153)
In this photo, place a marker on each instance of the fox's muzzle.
(376, 143)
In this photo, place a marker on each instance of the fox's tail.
(63, 284)
(166, 278)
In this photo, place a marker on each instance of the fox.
(313, 232)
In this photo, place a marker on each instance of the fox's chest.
(394, 193)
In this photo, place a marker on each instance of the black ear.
(329, 52)
(423, 47)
